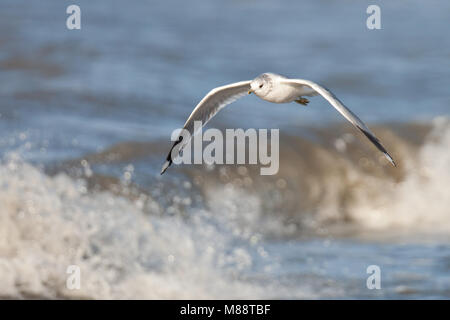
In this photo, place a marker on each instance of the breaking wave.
(124, 248)
(337, 180)
(206, 238)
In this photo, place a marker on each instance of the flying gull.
(273, 88)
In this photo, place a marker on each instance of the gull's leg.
(302, 101)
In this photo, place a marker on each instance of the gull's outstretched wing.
(207, 108)
(349, 115)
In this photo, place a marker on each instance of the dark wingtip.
(388, 156)
(165, 166)
(378, 144)
(169, 161)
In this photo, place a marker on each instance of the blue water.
(134, 72)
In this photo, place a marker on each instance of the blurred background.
(85, 123)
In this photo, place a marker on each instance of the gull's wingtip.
(165, 166)
(377, 143)
(390, 160)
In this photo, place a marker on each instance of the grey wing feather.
(214, 101)
(307, 91)
(207, 108)
(347, 113)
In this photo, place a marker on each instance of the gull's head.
(261, 85)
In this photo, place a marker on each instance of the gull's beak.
(250, 91)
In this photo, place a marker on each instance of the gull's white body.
(280, 92)
(273, 88)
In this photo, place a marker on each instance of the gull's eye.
(260, 86)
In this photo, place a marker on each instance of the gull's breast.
(281, 93)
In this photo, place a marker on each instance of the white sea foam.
(48, 223)
(421, 201)
(127, 250)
